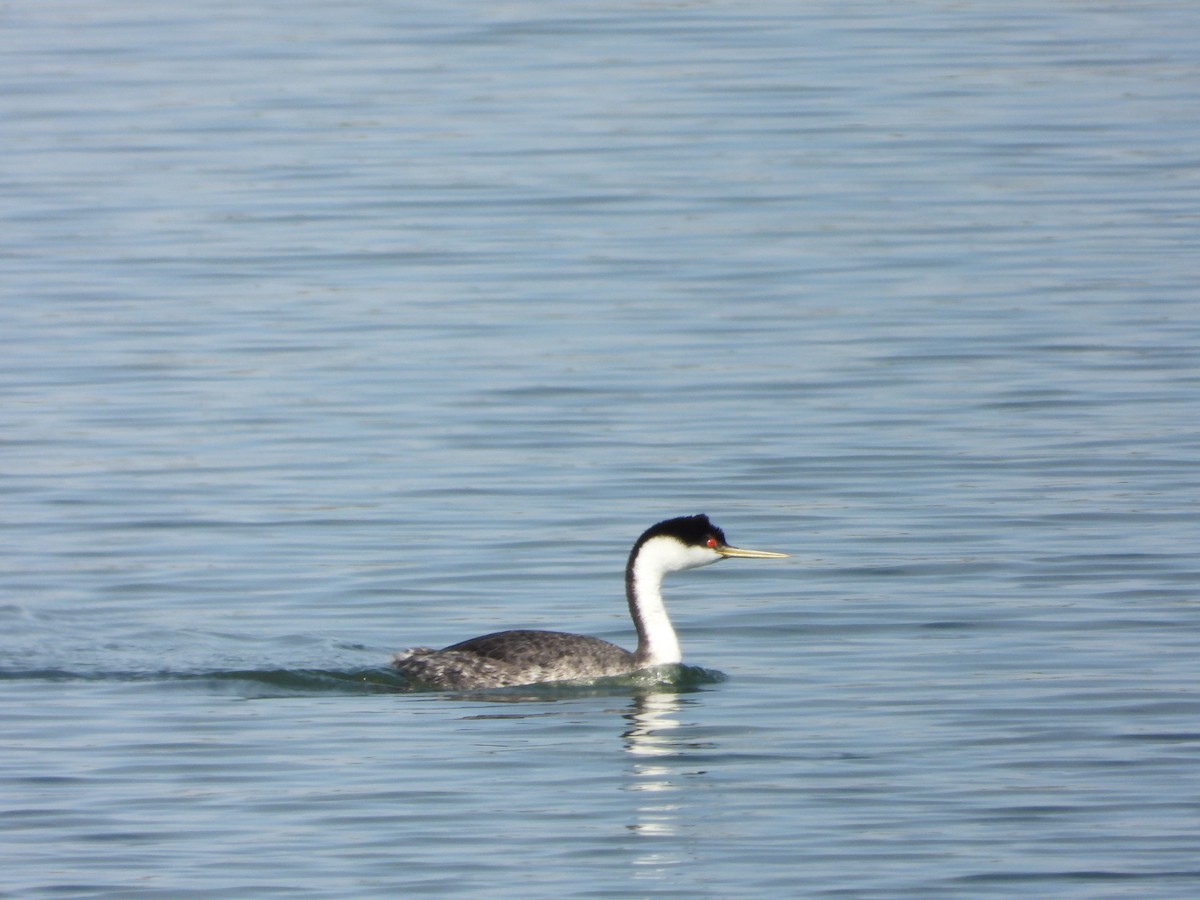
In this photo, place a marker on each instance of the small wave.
(255, 682)
(282, 682)
(371, 680)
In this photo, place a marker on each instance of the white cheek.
(700, 556)
(668, 555)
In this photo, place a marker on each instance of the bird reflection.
(649, 740)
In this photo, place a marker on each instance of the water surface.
(327, 333)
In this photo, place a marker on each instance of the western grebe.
(528, 657)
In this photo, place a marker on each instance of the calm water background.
(326, 330)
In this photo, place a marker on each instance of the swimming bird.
(528, 657)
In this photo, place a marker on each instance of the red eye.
(711, 542)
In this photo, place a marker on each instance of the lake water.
(329, 330)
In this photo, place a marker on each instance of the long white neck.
(649, 562)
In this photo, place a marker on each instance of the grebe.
(528, 657)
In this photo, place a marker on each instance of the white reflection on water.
(653, 748)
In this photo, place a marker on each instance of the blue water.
(331, 330)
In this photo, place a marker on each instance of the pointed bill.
(739, 553)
